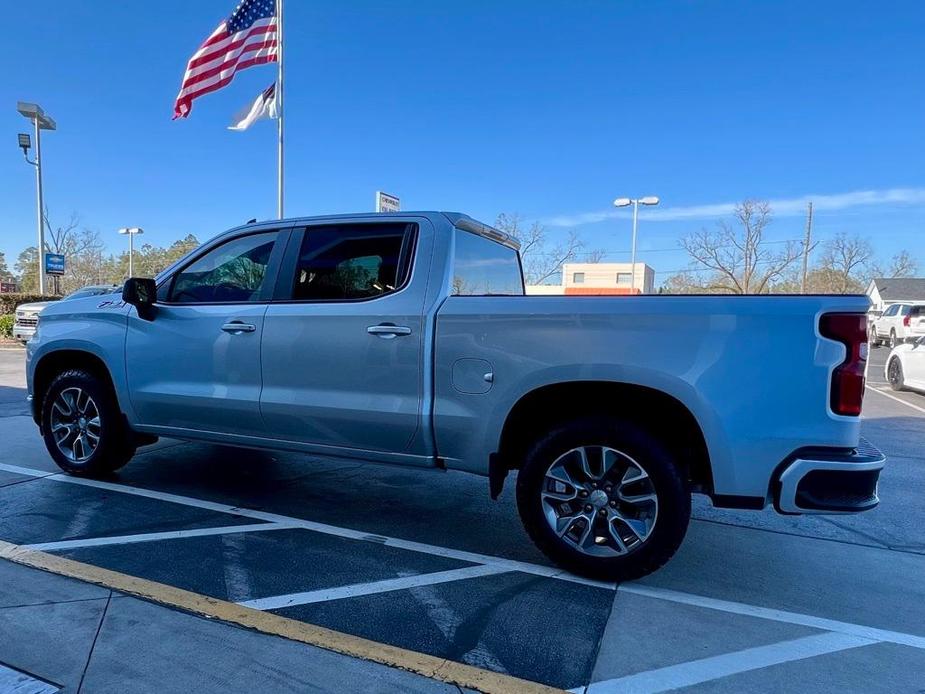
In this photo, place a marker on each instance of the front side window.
(352, 261)
(483, 267)
(624, 278)
(231, 273)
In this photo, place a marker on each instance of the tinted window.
(352, 261)
(578, 277)
(483, 267)
(233, 272)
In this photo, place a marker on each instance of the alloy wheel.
(600, 501)
(75, 424)
(894, 373)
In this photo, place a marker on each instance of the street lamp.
(131, 231)
(41, 121)
(635, 202)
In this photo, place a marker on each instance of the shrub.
(6, 326)
(9, 302)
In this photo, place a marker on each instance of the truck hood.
(34, 307)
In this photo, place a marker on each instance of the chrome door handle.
(388, 332)
(237, 327)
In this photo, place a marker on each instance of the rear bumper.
(830, 482)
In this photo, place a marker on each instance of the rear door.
(197, 364)
(343, 344)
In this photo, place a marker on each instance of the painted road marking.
(893, 397)
(709, 669)
(156, 537)
(17, 682)
(847, 628)
(326, 594)
(461, 555)
(461, 674)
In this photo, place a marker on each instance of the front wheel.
(604, 498)
(82, 425)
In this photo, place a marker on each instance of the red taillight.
(848, 377)
(907, 320)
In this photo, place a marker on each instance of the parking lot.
(427, 562)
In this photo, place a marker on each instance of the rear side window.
(231, 273)
(352, 261)
(485, 268)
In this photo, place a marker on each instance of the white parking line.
(461, 555)
(155, 537)
(17, 682)
(352, 591)
(847, 628)
(893, 397)
(708, 669)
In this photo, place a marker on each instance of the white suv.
(899, 322)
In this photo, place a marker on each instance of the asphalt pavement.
(425, 561)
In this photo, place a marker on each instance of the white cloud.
(788, 207)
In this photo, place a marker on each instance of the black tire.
(115, 447)
(650, 454)
(895, 374)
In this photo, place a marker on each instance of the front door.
(196, 365)
(343, 349)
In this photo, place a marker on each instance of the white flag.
(264, 106)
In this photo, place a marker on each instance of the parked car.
(898, 323)
(27, 315)
(905, 367)
(407, 339)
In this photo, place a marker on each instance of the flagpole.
(279, 108)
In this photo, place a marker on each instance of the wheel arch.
(53, 363)
(658, 411)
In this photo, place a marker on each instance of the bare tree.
(844, 266)
(57, 237)
(539, 262)
(903, 265)
(742, 261)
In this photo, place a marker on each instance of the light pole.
(131, 231)
(41, 121)
(635, 202)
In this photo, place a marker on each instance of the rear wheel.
(894, 374)
(603, 498)
(82, 425)
(892, 338)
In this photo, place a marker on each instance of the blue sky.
(549, 109)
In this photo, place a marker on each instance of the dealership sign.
(54, 264)
(386, 202)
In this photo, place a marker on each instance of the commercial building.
(600, 279)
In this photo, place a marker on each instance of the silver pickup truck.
(407, 339)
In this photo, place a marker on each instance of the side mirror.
(140, 292)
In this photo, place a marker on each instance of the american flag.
(248, 37)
